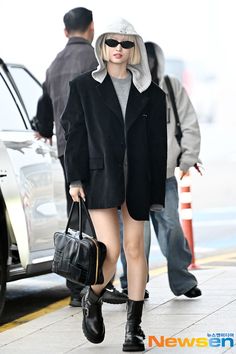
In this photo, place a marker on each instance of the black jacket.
(97, 139)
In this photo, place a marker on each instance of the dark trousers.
(75, 289)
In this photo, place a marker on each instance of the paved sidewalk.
(211, 315)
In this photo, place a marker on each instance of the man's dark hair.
(152, 60)
(78, 19)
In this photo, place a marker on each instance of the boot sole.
(133, 348)
(90, 337)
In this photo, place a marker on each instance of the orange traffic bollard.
(186, 214)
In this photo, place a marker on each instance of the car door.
(33, 189)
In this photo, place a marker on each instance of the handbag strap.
(81, 204)
(178, 134)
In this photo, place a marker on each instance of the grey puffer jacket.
(190, 142)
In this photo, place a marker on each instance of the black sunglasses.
(114, 43)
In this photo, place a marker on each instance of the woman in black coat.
(115, 128)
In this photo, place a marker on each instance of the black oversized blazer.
(97, 139)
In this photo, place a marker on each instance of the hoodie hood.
(140, 73)
(160, 59)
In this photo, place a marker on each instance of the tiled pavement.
(214, 313)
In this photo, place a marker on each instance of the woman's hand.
(75, 192)
(38, 136)
(182, 174)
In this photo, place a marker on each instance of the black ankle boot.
(93, 326)
(134, 335)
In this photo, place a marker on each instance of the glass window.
(28, 87)
(10, 117)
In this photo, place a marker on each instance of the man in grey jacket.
(166, 222)
(76, 58)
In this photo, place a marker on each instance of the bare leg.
(107, 229)
(135, 255)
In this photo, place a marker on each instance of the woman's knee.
(134, 250)
(112, 255)
(107, 229)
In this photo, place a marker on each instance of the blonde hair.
(135, 56)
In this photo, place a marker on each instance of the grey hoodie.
(140, 73)
(190, 142)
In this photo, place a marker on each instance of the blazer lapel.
(136, 103)
(107, 91)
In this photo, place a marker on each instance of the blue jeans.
(173, 244)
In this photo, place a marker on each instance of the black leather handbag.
(79, 257)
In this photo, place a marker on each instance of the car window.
(10, 117)
(28, 87)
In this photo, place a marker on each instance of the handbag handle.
(81, 204)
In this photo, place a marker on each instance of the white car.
(32, 197)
